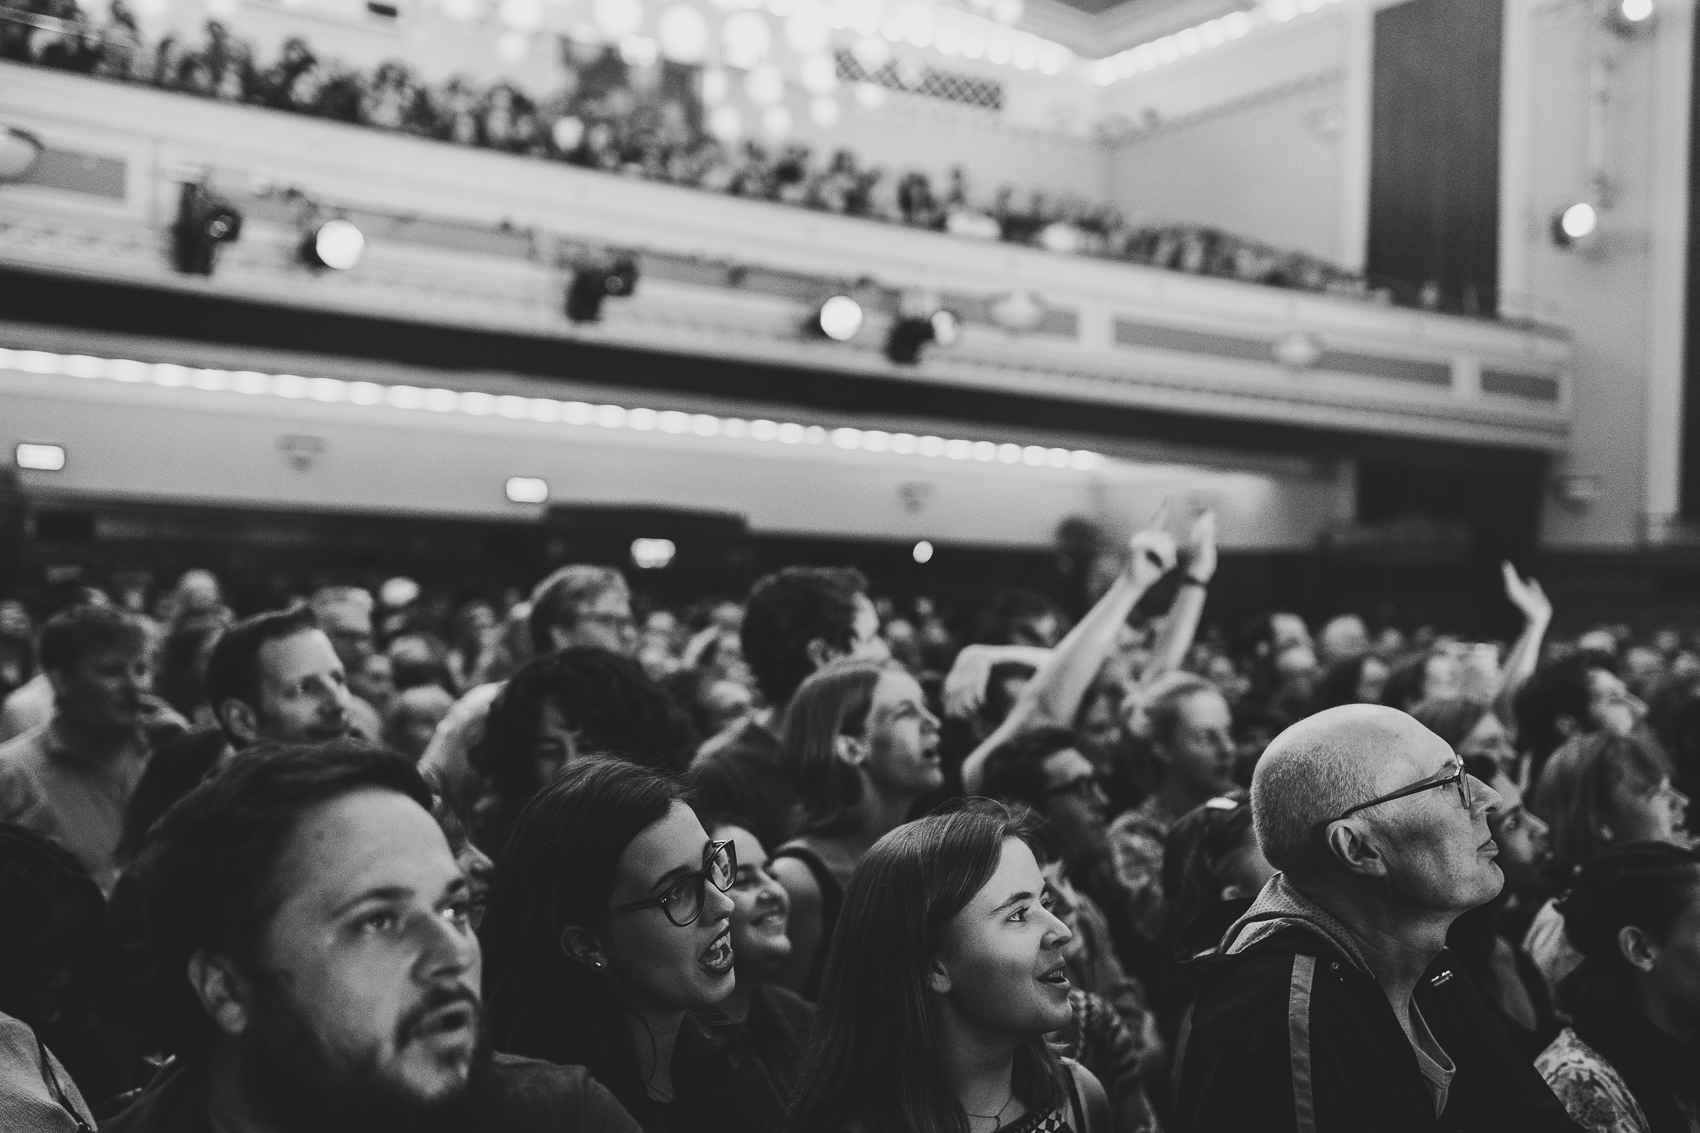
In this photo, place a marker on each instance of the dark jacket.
(1290, 1031)
(528, 1097)
(766, 1053)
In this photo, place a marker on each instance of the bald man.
(1331, 1005)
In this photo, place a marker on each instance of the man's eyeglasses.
(1087, 787)
(684, 899)
(1452, 775)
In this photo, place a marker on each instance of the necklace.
(995, 1117)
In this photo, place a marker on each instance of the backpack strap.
(1298, 1041)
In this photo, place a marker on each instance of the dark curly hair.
(789, 609)
(606, 698)
(208, 871)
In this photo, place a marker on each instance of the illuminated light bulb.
(1636, 11)
(1052, 61)
(870, 95)
(638, 51)
(1188, 42)
(223, 8)
(726, 123)
(151, 9)
(947, 40)
(1281, 11)
(806, 31)
(1104, 72)
(683, 34)
(618, 18)
(1235, 24)
(825, 112)
(521, 15)
(1024, 57)
(840, 318)
(745, 40)
(1211, 33)
(338, 245)
(923, 552)
(765, 85)
(998, 51)
(1007, 11)
(1168, 50)
(871, 53)
(1146, 56)
(819, 74)
(973, 47)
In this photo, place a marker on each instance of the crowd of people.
(629, 120)
(810, 861)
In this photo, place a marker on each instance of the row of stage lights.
(206, 220)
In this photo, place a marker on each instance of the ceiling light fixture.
(543, 410)
(335, 244)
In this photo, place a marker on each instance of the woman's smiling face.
(1001, 966)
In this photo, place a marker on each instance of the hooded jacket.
(1291, 1031)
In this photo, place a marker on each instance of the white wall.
(1254, 138)
(1622, 299)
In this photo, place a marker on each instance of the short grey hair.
(1315, 769)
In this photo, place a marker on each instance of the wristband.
(1191, 580)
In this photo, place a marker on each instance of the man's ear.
(239, 719)
(1356, 849)
(1565, 724)
(821, 654)
(1637, 947)
(224, 993)
(581, 946)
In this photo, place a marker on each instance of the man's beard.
(292, 1078)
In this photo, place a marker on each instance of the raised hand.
(1152, 551)
(1526, 595)
(1201, 547)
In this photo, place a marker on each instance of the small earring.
(597, 963)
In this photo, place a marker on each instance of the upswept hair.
(1574, 793)
(875, 1056)
(208, 869)
(833, 702)
(559, 870)
(1646, 885)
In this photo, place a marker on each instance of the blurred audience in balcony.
(638, 121)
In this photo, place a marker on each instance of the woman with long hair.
(946, 972)
(608, 935)
(1597, 792)
(860, 747)
(1626, 1062)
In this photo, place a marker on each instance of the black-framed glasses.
(1453, 774)
(1088, 787)
(684, 898)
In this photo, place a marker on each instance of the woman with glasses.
(946, 973)
(860, 747)
(1626, 1062)
(1596, 792)
(608, 935)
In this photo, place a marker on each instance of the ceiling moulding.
(1120, 26)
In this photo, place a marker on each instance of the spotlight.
(1574, 225)
(911, 332)
(19, 151)
(527, 490)
(43, 458)
(839, 318)
(652, 554)
(592, 283)
(923, 552)
(335, 244)
(204, 221)
(1628, 17)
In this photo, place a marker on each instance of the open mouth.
(1057, 977)
(717, 957)
(455, 1019)
(1490, 846)
(773, 920)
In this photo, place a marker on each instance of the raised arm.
(1520, 662)
(1057, 689)
(1181, 626)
